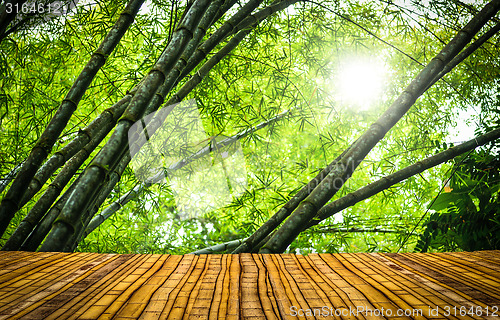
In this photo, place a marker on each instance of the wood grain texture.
(463, 285)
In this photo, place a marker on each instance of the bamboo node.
(162, 97)
(63, 220)
(105, 168)
(160, 71)
(127, 12)
(127, 117)
(190, 33)
(67, 100)
(440, 57)
(102, 54)
(204, 30)
(315, 208)
(86, 131)
(380, 127)
(56, 186)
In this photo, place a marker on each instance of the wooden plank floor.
(250, 286)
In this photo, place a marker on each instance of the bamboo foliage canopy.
(278, 145)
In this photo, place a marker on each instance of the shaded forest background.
(278, 95)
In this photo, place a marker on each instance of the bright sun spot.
(359, 83)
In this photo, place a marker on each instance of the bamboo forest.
(223, 126)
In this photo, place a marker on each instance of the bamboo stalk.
(94, 207)
(112, 152)
(97, 130)
(47, 199)
(10, 203)
(466, 53)
(342, 171)
(273, 222)
(43, 227)
(214, 11)
(390, 180)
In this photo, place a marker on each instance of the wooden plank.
(283, 300)
(265, 290)
(102, 293)
(399, 286)
(246, 286)
(214, 307)
(448, 293)
(176, 282)
(52, 278)
(477, 291)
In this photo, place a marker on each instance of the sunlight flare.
(359, 82)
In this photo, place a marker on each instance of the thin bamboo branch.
(114, 207)
(219, 247)
(330, 229)
(10, 203)
(342, 171)
(225, 142)
(390, 180)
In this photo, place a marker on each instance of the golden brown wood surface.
(462, 285)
